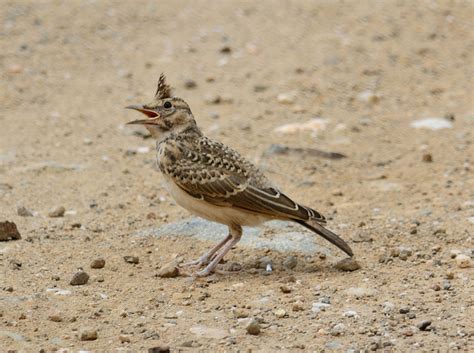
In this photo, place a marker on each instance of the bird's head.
(165, 114)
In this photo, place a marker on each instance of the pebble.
(212, 99)
(209, 332)
(404, 253)
(57, 212)
(432, 124)
(253, 327)
(427, 157)
(159, 349)
(15, 69)
(424, 325)
(24, 212)
(55, 317)
(124, 339)
(190, 84)
(388, 307)
(279, 313)
(348, 264)
(404, 310)
(290, 262)
(351, 313)
(98, 263)
(314, 125)
(9, 231)
(88, 334)
(287, 98)
(317, 307)
(338, 329)
(79, 278)
(264, 261)
(131, 259)
(361, 292)
(368, 96)
(285, 289)
(168, 271)
(463, 261)
(361, 237)
(298, 306)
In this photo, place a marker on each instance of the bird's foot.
(202, 261)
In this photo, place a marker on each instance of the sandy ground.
(368, 68)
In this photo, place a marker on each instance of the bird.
(214, 181)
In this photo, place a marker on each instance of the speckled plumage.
(213, 181)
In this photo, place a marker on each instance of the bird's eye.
(167, 105)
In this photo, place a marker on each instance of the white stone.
(432, 124)
(351, 313)
(463, 261)
(287, 98)
(314, 125)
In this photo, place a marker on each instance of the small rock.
(338, 329)
(209, 332)
(279, 313)
(388, 307)
(432, 124)
(285, 289)
(313, 125)
(15, 69)
(253, 327)
(427, 157)
(264, 261)
(131, 259)
(404, 253)
(463, 261)
(98, 263)
(424, 325)
(159, 349)
(348, 264)
(233, 267)
(168, 271)
(190, 84)
(317, 307)
(368, 97)
(351, 313)
(361, 292)
(55, 317)
(9, 231)
(212, 99)
(124, 339)
(88, 334)
(298, 306)
(449, 274)
(361, 237)
(57, 212)
(290, 262)
(404, 310)
(287, 98)
(79, 278)
(241, 314)
(24, 212)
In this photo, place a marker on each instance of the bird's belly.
(204, 209)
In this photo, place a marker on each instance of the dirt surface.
(368, 68)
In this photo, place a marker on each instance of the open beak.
(153, 116)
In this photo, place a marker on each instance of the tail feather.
(328, 235)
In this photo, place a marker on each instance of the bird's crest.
(163, 90)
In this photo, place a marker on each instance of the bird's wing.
(219, 175)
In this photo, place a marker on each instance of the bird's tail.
(327, 234)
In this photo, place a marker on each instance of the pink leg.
(204, 259)
(235, 232)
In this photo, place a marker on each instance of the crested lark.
(214, 182)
